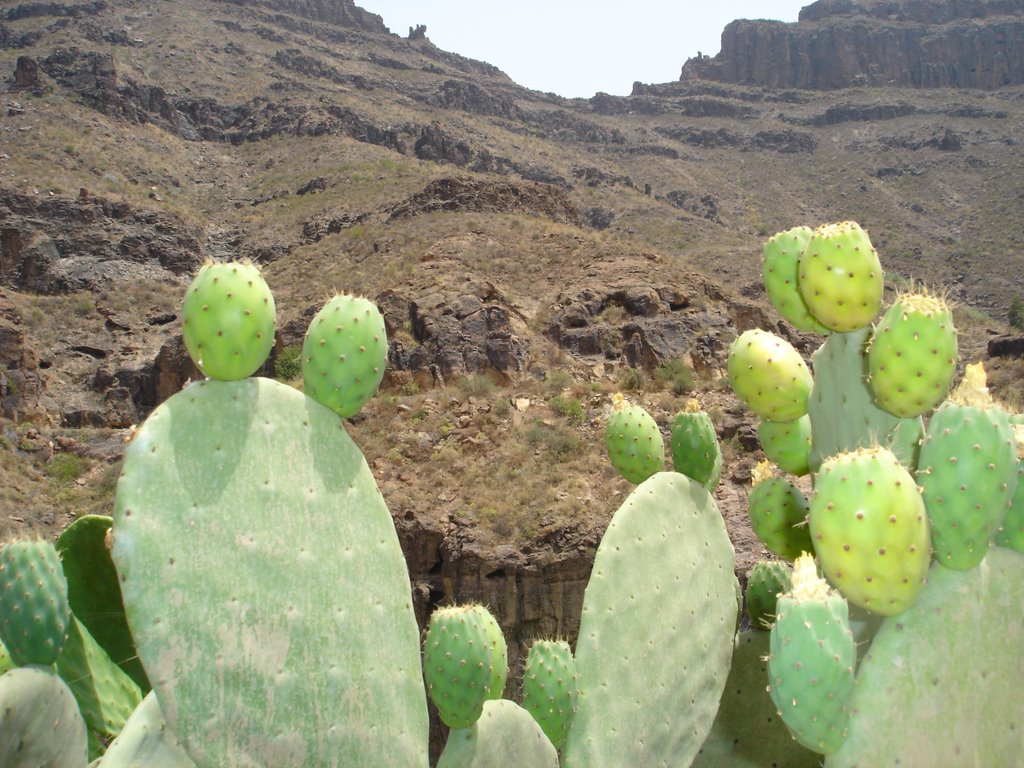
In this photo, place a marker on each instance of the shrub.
(675, 375)
(1016, 313)
(570, 408)
(288, 363)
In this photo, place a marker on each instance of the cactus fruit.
(694, 444)
(778, 513)
(787, 443)
(781, 277)
(912, 355)
(767, 580)
(344, 354)
(228, 319)
(498, 648)
(634, 442)
(34, 611)
(146, 742)
(840, 277)
(40, 726)
(870, 530)
(505, 736)
(769, 375)
(457, 665)
(550, 688)
(812, 660)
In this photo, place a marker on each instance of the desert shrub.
(1016, 313)
(570, 408)
(288, 363)
(66, 467)
(675, 376)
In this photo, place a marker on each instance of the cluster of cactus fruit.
(248, 603)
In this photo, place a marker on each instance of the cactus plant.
(634, 443)
(768, 374)
(40, 726)
(767, 580)
(781, 269)
(788, 444)
(550, 688)
(498, 649)
(505, 736)
(457, 664)
(778, 513)
(146, 742)
(694, 446)
(840, 277)
(34, 611)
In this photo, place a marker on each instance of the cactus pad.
(39, 722)
(457, 665)
(778, 514)
(146, 742)
(787, 443)
(550, 688)
(841, 278)
(781, 277)
(505, 736)
(633, 440)
(767, 580)
(34, 611)
(768, 374)
(499, 651)
(694, 444)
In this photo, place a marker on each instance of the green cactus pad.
(146, 742)
(344, 354)
(457, 664)
(912, 355)
(781, 277)
(633, 440)
(870, 530)
(665, 554)
(768, 374)
(34, 611)
(6, 662)
(941, 686)
(94, 593)
(498, 648)
(695, 449)
(39, 722)
(841, 278)
(778, 514)
(788, 444)
(228, 319)
(505, 736)
(550, 688)
(767, 580)
(264, 584)
(1011, 533)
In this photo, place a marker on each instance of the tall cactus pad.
(457, 665)
(550, 688)
(870, 530)
(788, 444)
(941, 686)
(769, 376)
(633, 440)
(843, 413)
(39, 722)
(694, 444)
(812, 659)
(498, 649)
(344, 354)
(665, 554)
(841, 278)
(264, 584)
(34, 611)
(781, 277)
(228, 319)
(767, 580)
(778, 514)
(505, 736)
(146, 742)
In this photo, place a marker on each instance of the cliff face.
(906, 43)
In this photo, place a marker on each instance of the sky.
(576, 48)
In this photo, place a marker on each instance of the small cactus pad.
(457, 665)
(812, 660)
(498, 648)
(942, 685)
(344, 354)
(781, 277)
(633, 440)
(841, 278)
(870, 530)
(228, 319)
(505, 736)
(778, 514)
(767, 580)
(39, 722)
(768, 374)
(912, 355)
(34, 611)
(787, 443)
(694, 444)
(1011, 533)
(146, 742)
(550, 688)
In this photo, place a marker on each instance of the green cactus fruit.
(778, 514)
(39, 722)
(843, 413)
(94, 593)
(788, 444)
(457, 665)
(695, 450)
(747, 732)
(841, 278)
(34, 611)
(781, 277)
(1011, 532)
(912, 355)
(968, 473)
(146, 742)
(228, 319)
(344, 354)
(265, 585)
(665, 554)
(498, 648)
(767, 580)
(769, 376)
(550, 688)
(870, 530)
(633, 440)
(812, 659)
(942, 685)
(505, 736)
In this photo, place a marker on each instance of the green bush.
(674, 375)
(288, 364)
(1016, 313)
(66, 467)
(570, 408)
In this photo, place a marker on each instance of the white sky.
(579, 47)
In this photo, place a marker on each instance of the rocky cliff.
(904, 43)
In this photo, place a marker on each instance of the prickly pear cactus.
(767, 580)
(39, 722)
(634, 442)
(1011, 533)
(505, 736)
(782, 276)
(788, 444)
(778, 514)
(34, 611)
(841, 278)
(694, 445)
(146, 742)
(550, 688)
(457, 665)
(498, 648)
(768, 374)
